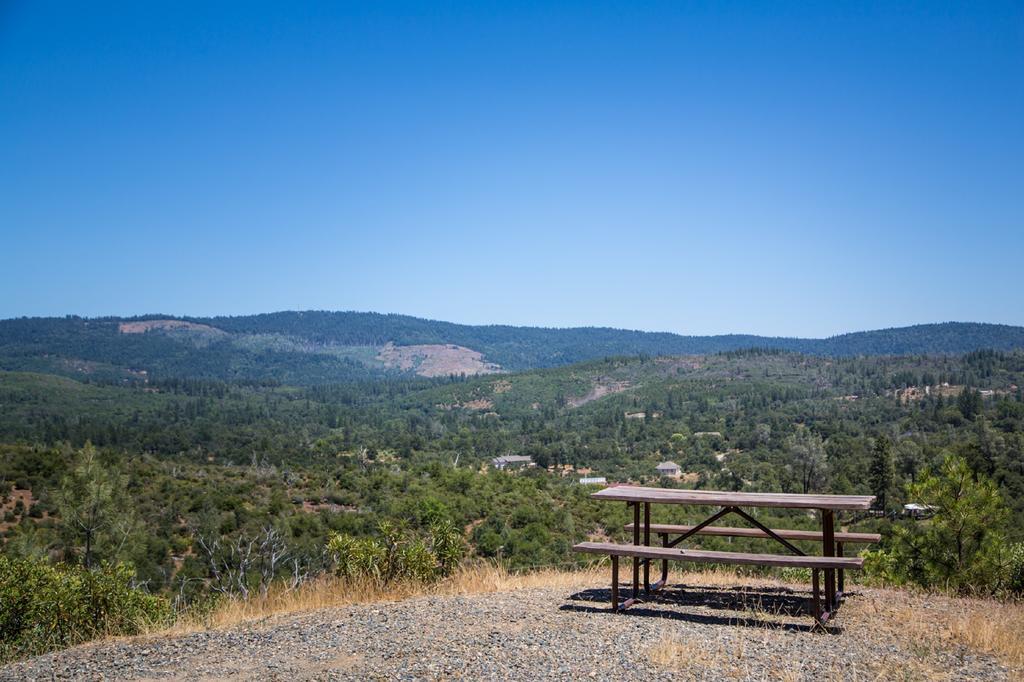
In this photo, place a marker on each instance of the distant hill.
(323, 347)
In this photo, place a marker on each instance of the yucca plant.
(448, 544)
(398, 555)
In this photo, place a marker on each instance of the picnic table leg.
(664, 562)
(636, 541)
(828, 538)
(615, 583)
(842, 586)
(815, 595)
(647, 543)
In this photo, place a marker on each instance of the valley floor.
(711, 630)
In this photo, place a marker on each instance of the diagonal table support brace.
(736, 510)
(769, 531)
(696, 529)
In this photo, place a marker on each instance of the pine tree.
(881, 473)
(93, 509)
(969, 402)
(962, 546)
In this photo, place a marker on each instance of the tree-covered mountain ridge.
(308, 347)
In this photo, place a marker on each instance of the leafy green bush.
(1015, 572)
(45, 607)
(397, 555)
(448, 545)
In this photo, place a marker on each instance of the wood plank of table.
(740, 532)
(711, 557)
(631, 493)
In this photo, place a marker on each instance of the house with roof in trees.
(670, 469)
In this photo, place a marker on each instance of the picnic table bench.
(831, 563)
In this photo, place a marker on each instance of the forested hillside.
(209, 463)
(306, 348)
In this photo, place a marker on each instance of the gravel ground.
(712, 633)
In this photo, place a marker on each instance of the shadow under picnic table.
(757, 605)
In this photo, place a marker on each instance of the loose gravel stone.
(749, 633)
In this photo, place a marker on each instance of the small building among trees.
(512, 461)
(918, 511)
(670, 469)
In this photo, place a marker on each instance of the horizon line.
(158, 315)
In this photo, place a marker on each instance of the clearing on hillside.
(167, 326)
(436, 360)
(602, 387)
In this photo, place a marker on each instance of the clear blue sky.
(795, 169)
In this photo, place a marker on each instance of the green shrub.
(396, 555)
(962, 548)
(448, 544)
(356, 556)
(416, 561)
(1015, 568)
(45, 607)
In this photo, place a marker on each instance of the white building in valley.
(512, 461)
(670, 469)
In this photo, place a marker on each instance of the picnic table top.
(633, 493)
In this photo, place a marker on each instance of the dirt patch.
(309, 507)
(166, 325)
(600, 389)
(82, 366)
(675, 362)
(436, 360)
(13, 497)
(178, 560)
(911, 393)
(720, 456)
(502, 386)
(478, 404)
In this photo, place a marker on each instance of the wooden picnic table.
(734, 503)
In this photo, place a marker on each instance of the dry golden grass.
(690, 654)
(992, 627)
(925, 622)
(479, 578)
(328, 591)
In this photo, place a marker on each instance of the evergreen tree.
(908, 459)
(969, 402)
(881, 472)
(93, 510)
(963, 545)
